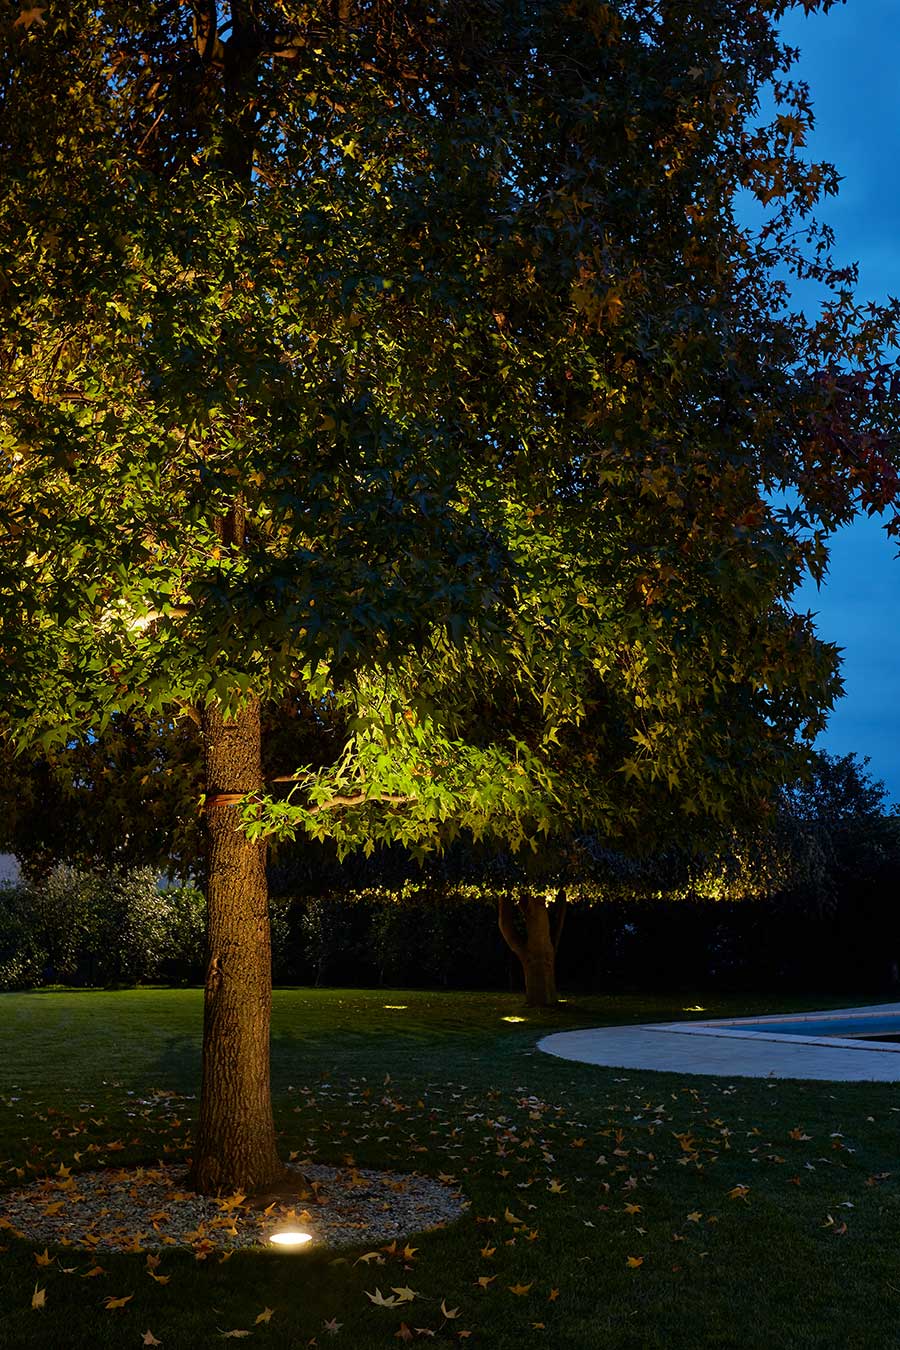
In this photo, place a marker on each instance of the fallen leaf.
(404, 1333)
(332, 1326)
(110, 1302)
(633, 1262)
(405, 1295)
(149, 1339)
(449, 1313)
(380, 1301)
(234, 1335)
(39, 1298)
(739, 1192)
(44, 1258)
(520, 1290)
(264, 1316)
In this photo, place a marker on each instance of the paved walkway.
(727, 1050)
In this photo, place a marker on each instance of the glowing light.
(291, 1237)
(396, 1007)
(696, 1008)
(512, 1019)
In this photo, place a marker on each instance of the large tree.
(410, 360)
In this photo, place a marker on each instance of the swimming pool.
(874, 1025)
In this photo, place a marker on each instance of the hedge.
(84, 928)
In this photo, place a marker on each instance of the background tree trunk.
(536, 947)
(236, 1148)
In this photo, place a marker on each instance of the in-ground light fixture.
(290, 1237)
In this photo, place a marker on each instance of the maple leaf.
(233, 1201)
(798, 1134)
(93, 1273)
(44, 1258)
(149, 1339)
(370, 1256)
(739, 1192)
(29, 16)
(380, 1301)
(556, 1187)
(409, 1252)
(520, 1290)
(449, 1313)
(511, 1218)
(632, 1209)
(236, 1335)
(553, 1296)
(332, 1326)
(39, 1298)
(159, 1279)
(264, 1316)
(634, 1262)
(488, 1252)
(110, 1302)
(695, 1216)
(404, 1333)
(485, 1280)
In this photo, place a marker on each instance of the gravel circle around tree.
(148, 1209)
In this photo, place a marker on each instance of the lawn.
(609, 1208)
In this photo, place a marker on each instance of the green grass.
(768, 1270)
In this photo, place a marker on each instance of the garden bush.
(89, 928)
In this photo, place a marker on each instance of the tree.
(409, 361)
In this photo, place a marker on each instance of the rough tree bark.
(532, 929)
(236, 1149)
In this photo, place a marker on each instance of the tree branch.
(235, 798)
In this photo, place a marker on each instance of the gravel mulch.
(146, 1209)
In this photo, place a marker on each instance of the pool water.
(877, 1027)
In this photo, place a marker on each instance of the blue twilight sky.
(850, 58)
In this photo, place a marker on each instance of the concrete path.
(726, 1049)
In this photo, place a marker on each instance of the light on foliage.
(512, 1019)
(396, 1007)
(291, 1237)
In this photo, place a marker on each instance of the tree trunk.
(236, 1148)
(536, 948)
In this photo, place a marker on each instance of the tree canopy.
(414, 360)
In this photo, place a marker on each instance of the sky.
(849, 58)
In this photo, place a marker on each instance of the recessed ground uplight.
(291, 1237)
(512, 1019)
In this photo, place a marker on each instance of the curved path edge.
(727, 1049)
